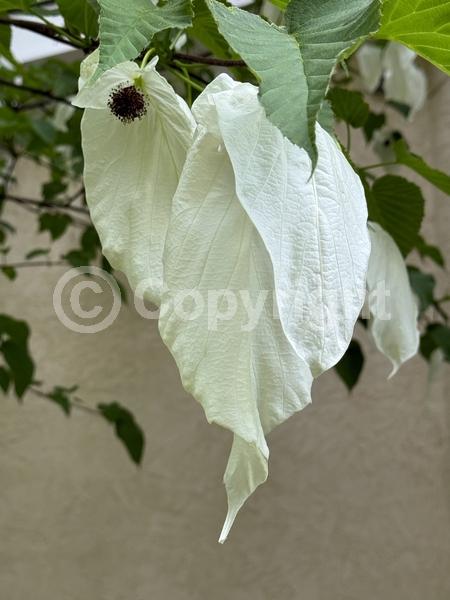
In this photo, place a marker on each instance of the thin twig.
(33, 263)
(209, 60)
(33, 90)
(74, 402)
(47, 204)
(41, 29)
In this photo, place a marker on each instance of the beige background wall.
(357, 506)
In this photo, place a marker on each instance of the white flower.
(403, 81)
(135, 133)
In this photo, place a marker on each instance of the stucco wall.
(357, 506)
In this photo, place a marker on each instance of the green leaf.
(55, 223)
(294, 65)
(349, 106)
(53, 188)
(20, 363)
(127, 28)
(204, 29)
(37, 252)
(6, 5)
(81, 15)
(438, 178)
(9, 272)
(61, 396)
(350, 366)
(127, 430)
(398, 206)
(374, 122)
(5, 379)
(423, 285)
(421, 25)
(14, 336)
(281, 4)
(5, 43)
(436, 336)
(430, 251)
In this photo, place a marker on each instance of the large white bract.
(132, 169)
(393, 306)
(251, 218)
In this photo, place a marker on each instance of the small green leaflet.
(349, 106)
(126, 428)
(423, 285)
(422, 26)
(436, 336)
(398, 206)
(294, 65)
(405, 157)
(127, 28)
(55, 223)
(14, 336)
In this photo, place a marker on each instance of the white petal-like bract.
(370, 64)
(392, 304)
(132, 171)
(312, 224)
(404, 81)
(249, 238)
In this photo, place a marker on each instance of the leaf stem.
(146, 58)
(187, 80)
(378, 165)
(209, 60)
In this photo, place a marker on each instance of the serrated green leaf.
(349, 106)
(398, 206)
(128, 28)
(423, 285)
(294, 65)
(126, 428)
(204, 29)
(80, 14)
(423, 26)
(350, 366)
(325, 31)
(274, 57)
(405, 157)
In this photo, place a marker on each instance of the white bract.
(133, 161)
(392, 304)
(275, 259)
(403, 81)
